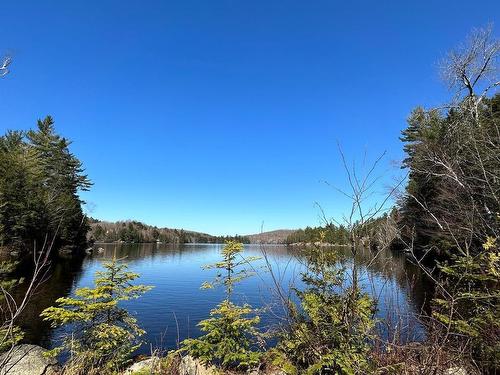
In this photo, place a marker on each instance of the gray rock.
(191, 366)
(456, 371)
(149, 364)
(272, 371)
(27, 360)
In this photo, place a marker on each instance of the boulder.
(149, 364)
(192, 366)
(27, 360)
(456, 371)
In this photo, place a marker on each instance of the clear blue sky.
(218, 115)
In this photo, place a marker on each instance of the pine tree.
(63, 178)
(40, 180)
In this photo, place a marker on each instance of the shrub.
(468, 305)
(331, 329)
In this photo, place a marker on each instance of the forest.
(328, 234)
(137, 232)
(444, 215)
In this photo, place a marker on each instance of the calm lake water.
(171, 310)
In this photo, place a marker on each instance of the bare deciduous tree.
(472, 68)
(4, 65)
(11, 308)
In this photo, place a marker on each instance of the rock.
(456, 371)
(267, 371)
(276, 372)
(191, 366)
(149, 364)
(27, 360)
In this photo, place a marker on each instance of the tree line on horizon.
(132, 231)
(329, 233)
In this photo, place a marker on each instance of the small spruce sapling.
(231, 339)
(102, 334)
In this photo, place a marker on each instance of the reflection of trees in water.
(147, 250)
(395, 266)
(387, 264)
(63, 274)
(400, 289)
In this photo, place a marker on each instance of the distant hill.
(136, 232)
(273, 237)
(132, 231)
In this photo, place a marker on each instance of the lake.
(171, 310)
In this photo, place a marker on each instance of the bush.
(331, 330)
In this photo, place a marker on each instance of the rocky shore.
(30, 360)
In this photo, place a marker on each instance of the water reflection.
(64, 274)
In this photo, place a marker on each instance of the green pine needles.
(231, 339)
(102, 334)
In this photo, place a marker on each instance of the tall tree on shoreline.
(450, 212)
(40, 180)
(453, 192)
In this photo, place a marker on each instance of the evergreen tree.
(63, 178)
(231, 339)
(39, 185)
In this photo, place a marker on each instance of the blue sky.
(220, 115)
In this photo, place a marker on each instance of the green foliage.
(331, 330)
(228, 337)
(39, 184)
(137, 232)
(231, 339)
(329, 234)
(470, 307)
(224, 239)
(103, 335)
(452, 191)
(450, 215)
